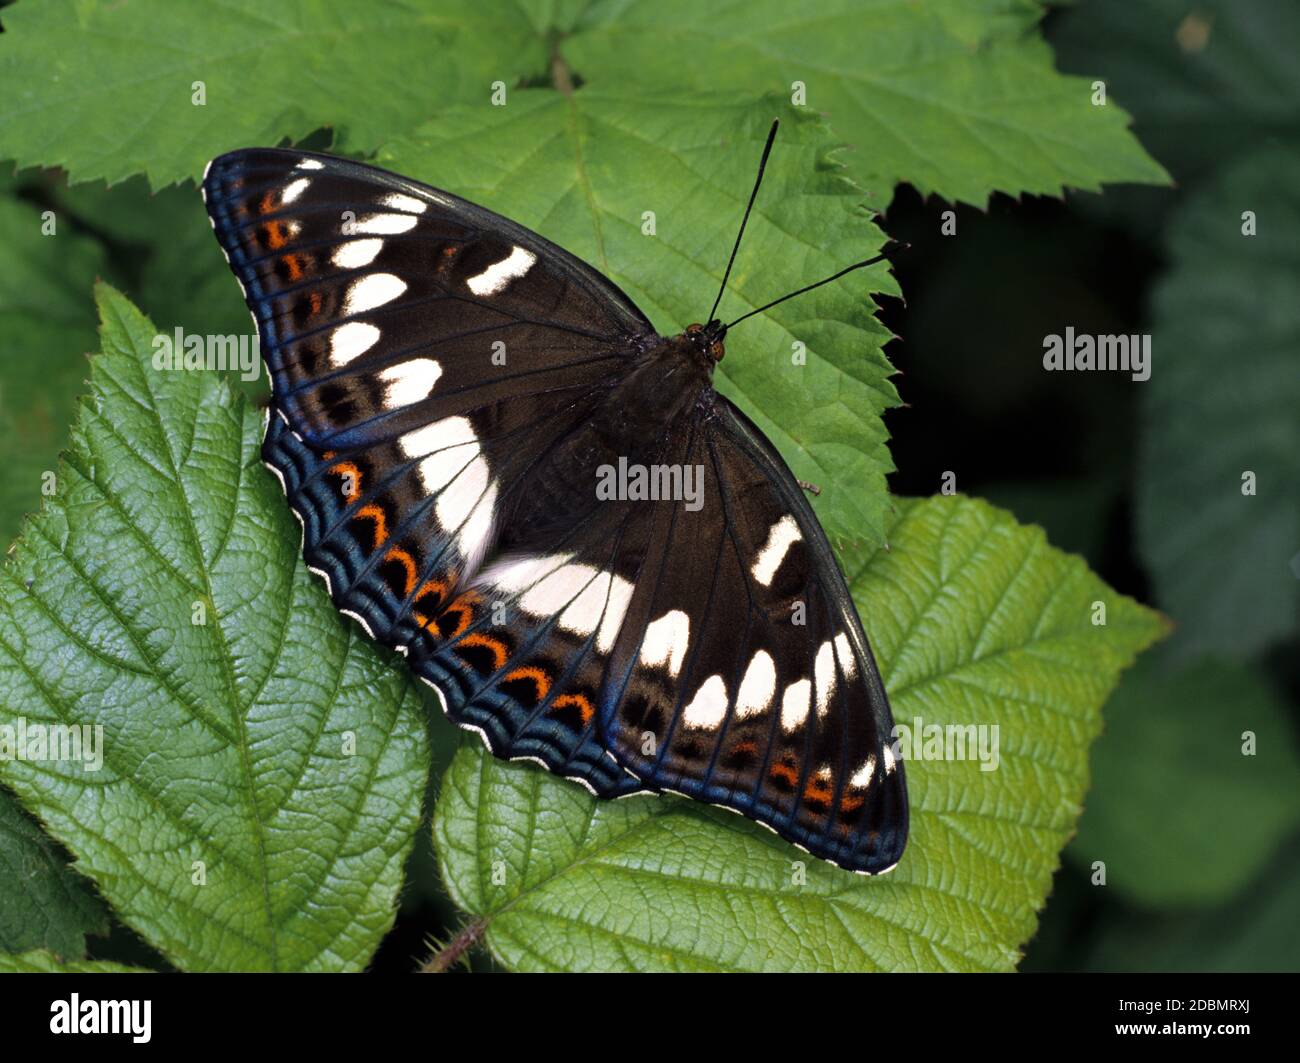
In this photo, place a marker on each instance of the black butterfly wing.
(425, 354)
(647, 644)
(712, 647)
(776, 709)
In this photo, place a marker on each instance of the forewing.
(425, 354)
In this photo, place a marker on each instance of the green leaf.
(957, 98)
(127, 74)
(974, 620)
(38, 961)
(584, 169)
(46, 329)
(1257, 932)
(1224, 401)
(1206, 80)
(1178, 813)
(45, 905)
(262, 763)
(184, 279)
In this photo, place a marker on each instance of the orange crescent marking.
(584, 706)
(407, 562)
(381, 522)
(534, 673)
(784, 771)
(818, 791)
(499, 651)
(277, 235)
(428, 587)
(345, 469)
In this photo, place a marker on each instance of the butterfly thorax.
(634, 415)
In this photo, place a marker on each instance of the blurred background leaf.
(1178, 813)
(47, 327)
(1208, 79)
(1258, 931)
(1223, 402)
(42, 961)
(43, 902)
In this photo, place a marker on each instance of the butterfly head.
(707, 339)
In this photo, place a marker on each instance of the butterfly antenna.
(762, 165)
(891, 245)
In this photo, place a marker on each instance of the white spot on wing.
(409, 382)
(519, 573)
(454, 469)
(795, 704)
(783, 534)
(603, 600)
(499, 274)
(401, 201)
(436, 438)
(709, 706)
(861, 778)
(310, 164)
(824, 674)
(356, 253)
(371, 291)
(844, 654)
(351, 341)
(666, 640)
(758, 687)
(293, 190)
(588, 599)
(383, 224)
(476, 532)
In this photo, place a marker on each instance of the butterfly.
(507, 475)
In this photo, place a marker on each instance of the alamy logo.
(948, 742)
(651, 483)
(1083, 351)
(102, 1016)
(41, 743)
(180, 352)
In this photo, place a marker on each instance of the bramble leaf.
(975, 620)
(262, 765)
(586, 171)
(110, 90)
(957, 98)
